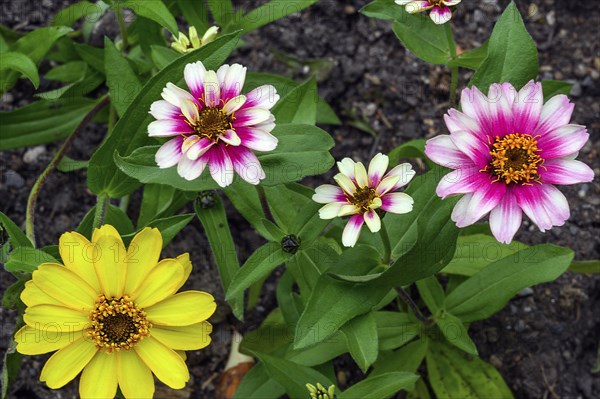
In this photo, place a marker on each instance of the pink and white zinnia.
(214, 124)
(361, 193)
(440, 9)
(508, 150)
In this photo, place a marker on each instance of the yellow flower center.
(118, 324)
(212, 123)
(362, 198)
(515, 158)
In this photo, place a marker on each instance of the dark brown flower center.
(118, 324)
(362, 198)
(515, 158)
(212, 123)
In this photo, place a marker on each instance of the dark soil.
(544, 343)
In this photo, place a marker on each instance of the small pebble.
(528, 291)
(32, 154)
(495, 361)
(13, 179)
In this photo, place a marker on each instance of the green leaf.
(452, 374)
(154, 10)
(11, 298)
(585, 266)
(431, 293)
(381, 386)
(34, 45)
(11, 364)
(474, 252)
(68, 164)
(332, 304)
(131, 130)
(71, 14)
(310, 263)
(16, 235)
(20, 63)
(303, 150)
(157, 199)
(471, 59)
(261, 263)
(26, 260)
(383, 9)
(79, 88)
(512, 54)
(123, 84)
(395, 329)
(456, 333)
(245, 199)
(299, 105)
(293, 377)
(410, 149)
(163, 56)
(42, 122)
(267, 13)
(552, 88)
(221, 10)
(257, 384)
(195, 13)
(93, 56)
(422, 37)
(68, 73)
(408, 358)
(216, 227)
(114, 216)
(361, 336)
(169, 227)
(325, 114)
(489, 290)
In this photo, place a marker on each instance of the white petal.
(169, 153)
(251, 116)
(221, 167)
(174, 94)
(330, 210)
(212, 91)
(189, 110)
(345, 183)
(327, 193)
(406, 173)
(230, 137)
(234, 104)
(346, 166)
(189, 169)
(199, 148)
(377, 168)
(194, 78)
(162, 109)
(352, 230)
(397, 203)
(387, 184)
(362, 179)
(347, 210)
(168, 128)
(373, 221)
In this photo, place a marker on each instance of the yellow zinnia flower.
(114, 313)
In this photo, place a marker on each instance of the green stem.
(412, 305)
(101, 204)
(123, 28)
(264, 203)
(454, 70)
(385, 238)
(37, 187)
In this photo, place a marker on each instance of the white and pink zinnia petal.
(440, 9)
(361, 192)
(214, 125)
(508, 150)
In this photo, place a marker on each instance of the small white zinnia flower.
(361, 193)
(183, 44)
(440, 12)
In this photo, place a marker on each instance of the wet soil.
(544, 342)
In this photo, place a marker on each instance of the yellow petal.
(106, 230)
(185, 261)
(65, 364)
(64, 319)
(182, 355)
(167, 365)
(142, 256)
(195, 336)
(110, 265)
(77, 253)
(135, 378)
(31, 341)
(182, 309)
(32, 296)
(65, 286)
(163, 281)
(99, 377)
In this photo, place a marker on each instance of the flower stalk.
(412, 305)
(387, 248)
(454, 69)
(35, 191)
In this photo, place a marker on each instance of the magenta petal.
(352, 230)
(555, 113)
(257, 139)
(564, 141)
(565, 171)
(528, 108)
(443, 151)
(501, 98)
(198, 149)
(263, 97)
(480, 203)
(191, 169)
(251, 116)
(194, 78)
(162, 109)
(543, 204)
(473, 147)
(476, 105)
(456, 120)
(462, 181)
(440, 15)
(221, 167)
(169, 153)
(233, 81)
(505, 218)
(246, 164)
(168, 127)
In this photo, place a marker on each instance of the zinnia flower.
(361, 194)
(508, 150)
(440, 11)
(114, 313)
(215, 125)
(183, 45)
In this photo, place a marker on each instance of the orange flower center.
(362, 198)
(117, 324)
(515, 159)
